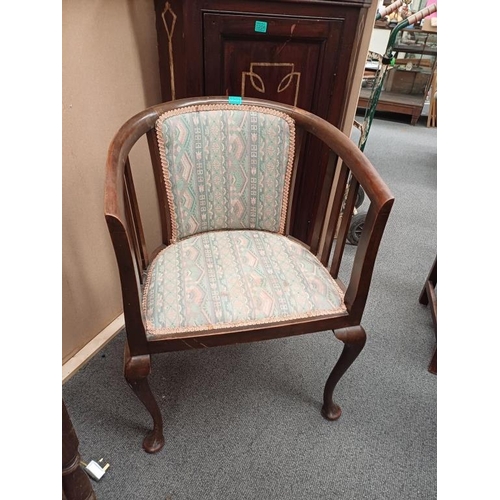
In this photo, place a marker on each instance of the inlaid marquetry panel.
(169, 19)
(266, 73)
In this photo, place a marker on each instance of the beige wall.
(110, 72)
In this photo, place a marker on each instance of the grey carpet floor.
(243, 422)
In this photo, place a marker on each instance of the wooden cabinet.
(407, 83)
(297, 52)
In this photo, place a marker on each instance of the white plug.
(94, 470)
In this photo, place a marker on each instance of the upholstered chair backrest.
(226, 167)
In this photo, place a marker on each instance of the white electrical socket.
(94, 470)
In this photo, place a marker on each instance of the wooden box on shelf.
(408, 82)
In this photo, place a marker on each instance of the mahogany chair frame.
(125, 227)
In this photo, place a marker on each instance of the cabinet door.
(292, 60)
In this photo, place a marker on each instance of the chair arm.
(364, 259)
(116, 218)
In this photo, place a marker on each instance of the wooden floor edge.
(95, 345)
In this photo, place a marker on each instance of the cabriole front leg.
(136, 371)
(354, 339)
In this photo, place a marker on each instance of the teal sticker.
(234, 99)
(260, 26)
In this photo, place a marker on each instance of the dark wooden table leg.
(428, 296)
(432, 278)
(75, 482)
(433, 366)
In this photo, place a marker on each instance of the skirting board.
(95, 345)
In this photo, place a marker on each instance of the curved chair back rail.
(123, 219)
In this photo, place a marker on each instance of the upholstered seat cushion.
(235, 278)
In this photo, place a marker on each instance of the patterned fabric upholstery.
(226, 167)
(235, 278)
